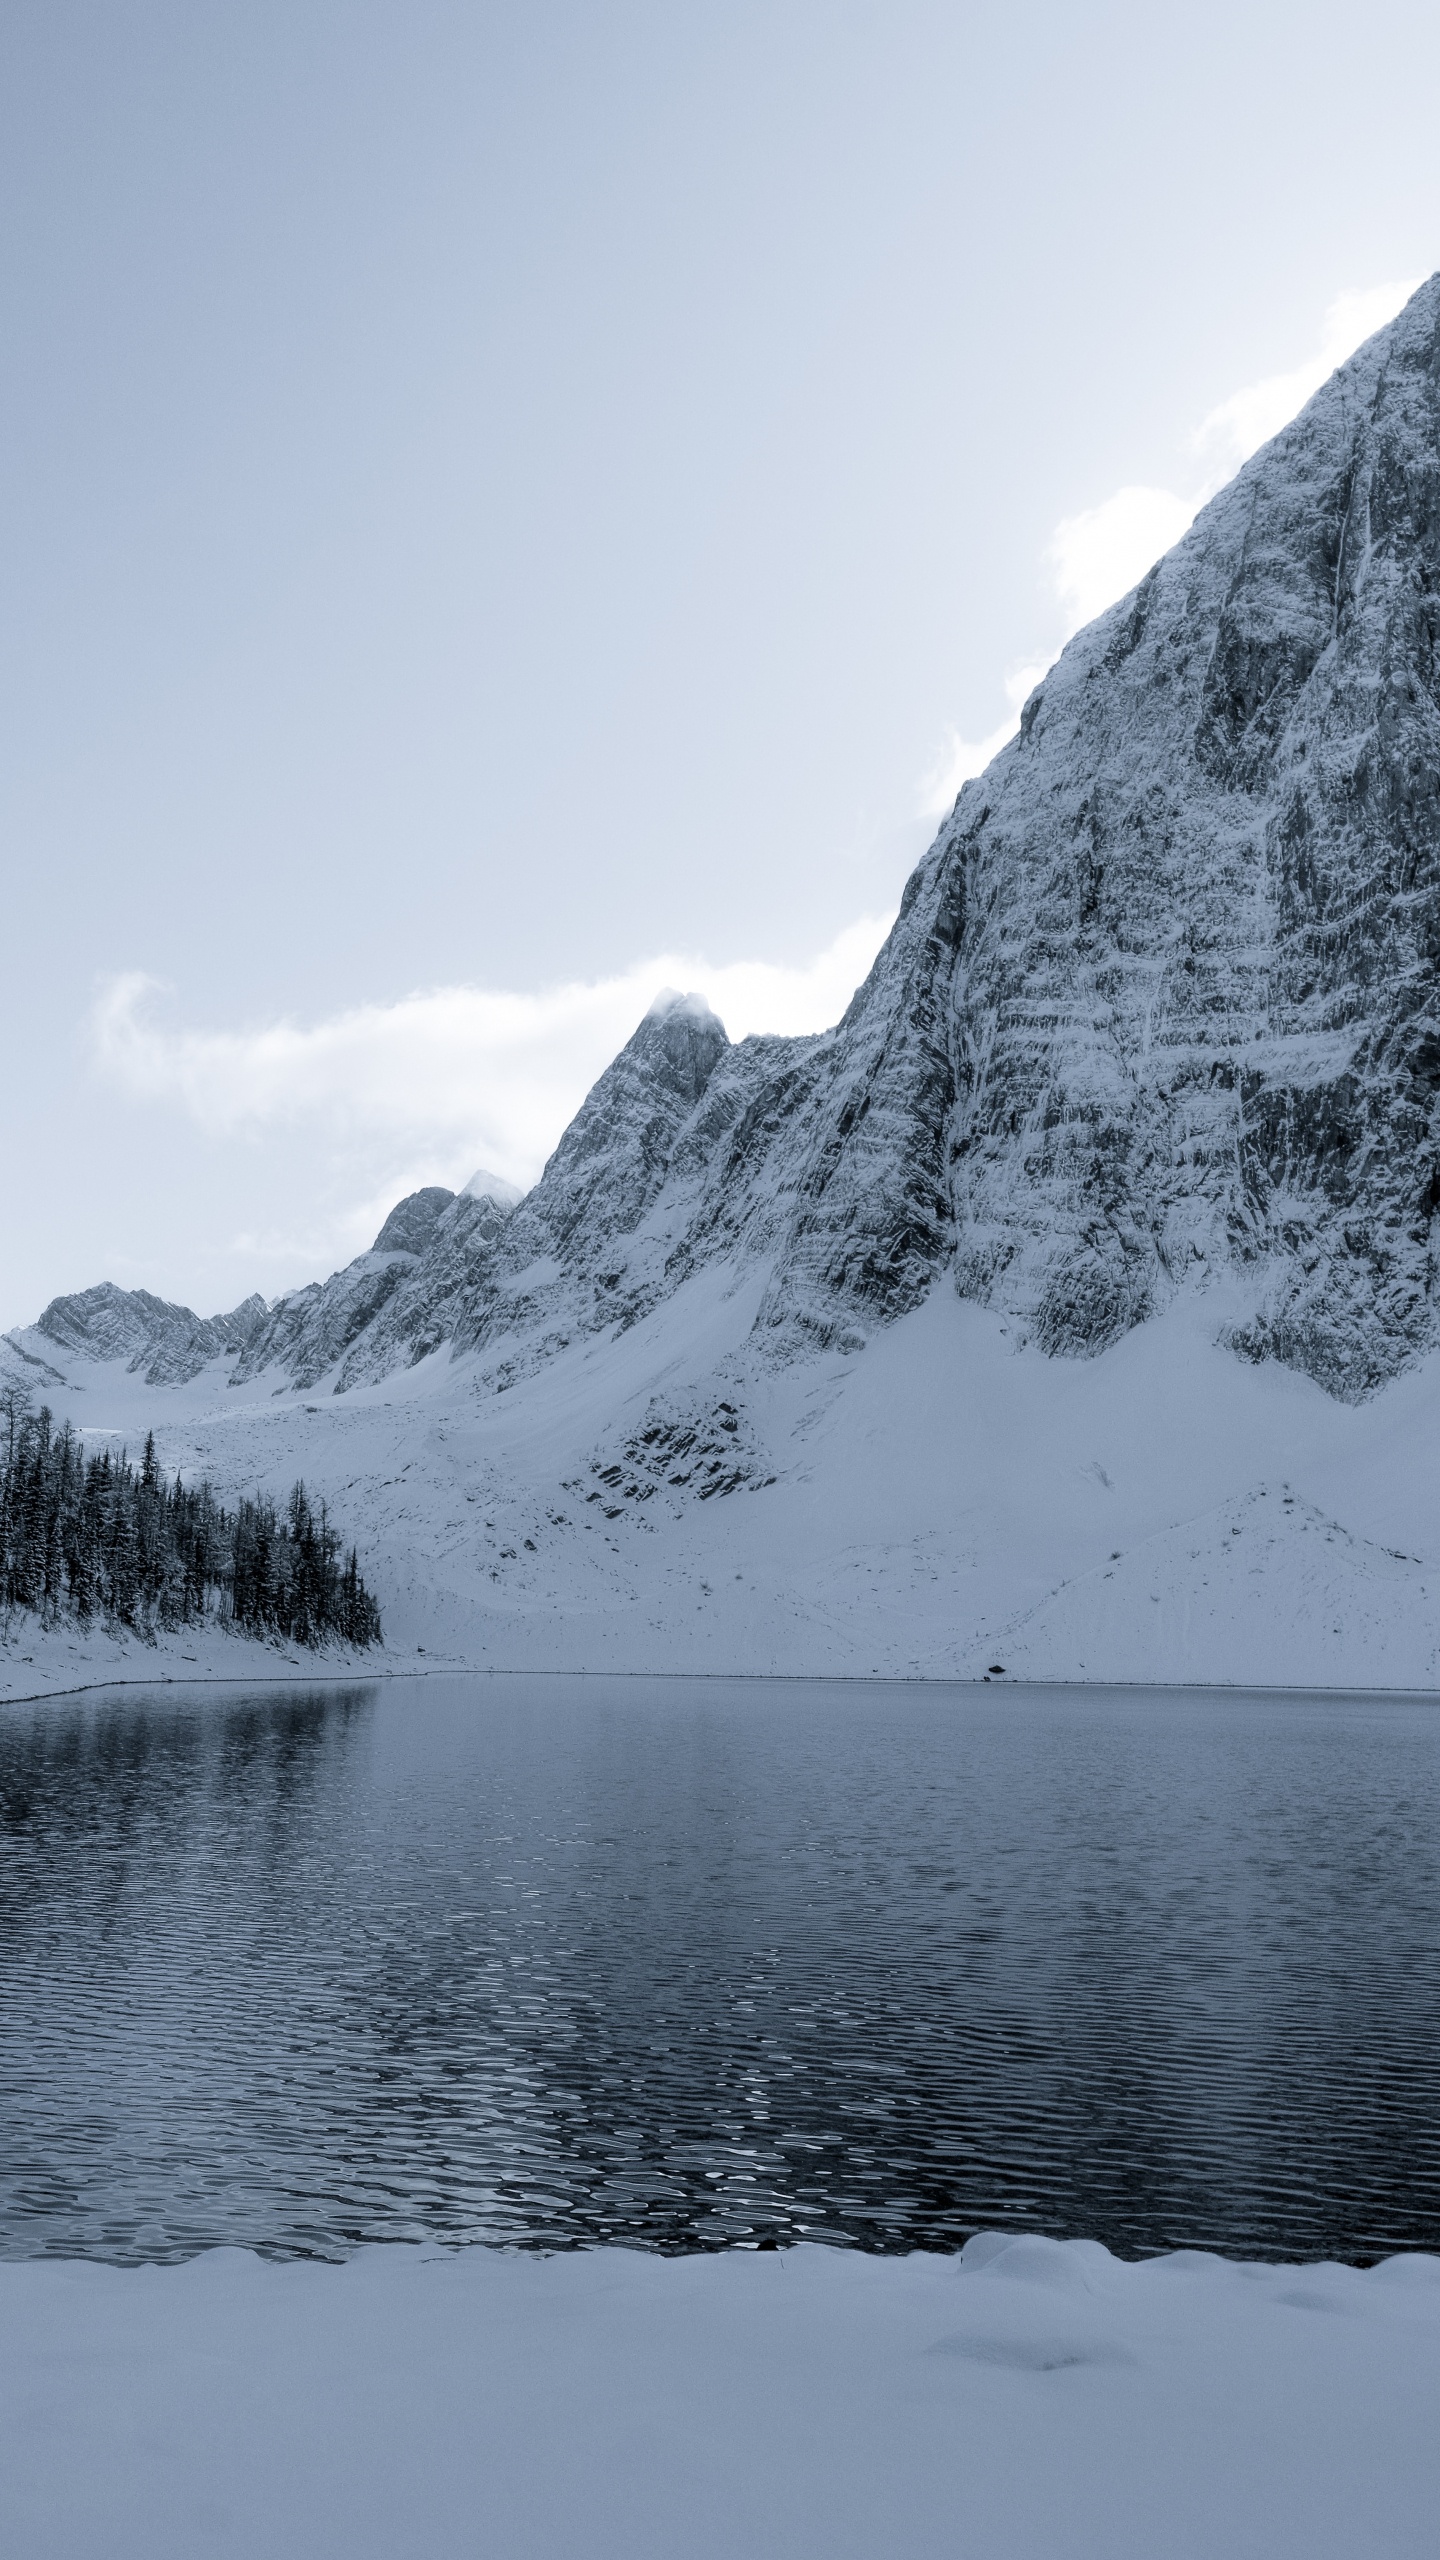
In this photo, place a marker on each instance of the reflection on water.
(687, 1964)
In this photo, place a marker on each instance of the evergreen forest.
(97, 1538)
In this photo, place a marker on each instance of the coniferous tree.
(86, 1538)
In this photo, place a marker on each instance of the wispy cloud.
(1097, 556)
(960, 759)
(1241, 424)
(1105, 551)
(449, 1078)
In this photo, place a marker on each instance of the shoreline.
(297, 1675)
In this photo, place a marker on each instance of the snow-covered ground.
(38, 1662)
(1031, 2400)
(933, 1504)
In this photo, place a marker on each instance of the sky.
(503, 510)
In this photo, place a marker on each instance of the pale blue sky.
(493, 496)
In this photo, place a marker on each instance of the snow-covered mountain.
(1154, 1044)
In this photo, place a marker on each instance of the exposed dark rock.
(701, 1453)
(169, 1343)
(412, 1221)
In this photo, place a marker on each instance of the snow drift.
(1027, 2400)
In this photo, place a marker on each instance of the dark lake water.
(696, 1964)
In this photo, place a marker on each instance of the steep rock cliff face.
(1161, 1002)
(1195, 993)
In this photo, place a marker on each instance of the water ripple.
(692, 1965)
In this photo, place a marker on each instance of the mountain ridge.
(1158, 1008)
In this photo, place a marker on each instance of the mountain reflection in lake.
(690, 1964)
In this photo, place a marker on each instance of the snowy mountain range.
(1131, 1137)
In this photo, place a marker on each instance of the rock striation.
(167, 1343)
(1195, 998)
(374, 1300)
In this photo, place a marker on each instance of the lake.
(691, 1964)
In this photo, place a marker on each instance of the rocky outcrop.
(413, 1220)
(701, 1452)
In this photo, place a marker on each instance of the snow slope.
(1030, 2400)
(952, 1499)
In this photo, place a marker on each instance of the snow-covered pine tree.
(86, 1538)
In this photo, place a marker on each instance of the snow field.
(946, 1498)
(1030, 2400)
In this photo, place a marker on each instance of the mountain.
(166, 1343)
(1152, 1052)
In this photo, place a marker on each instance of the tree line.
(85, 1538)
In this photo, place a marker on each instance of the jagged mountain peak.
(695, 1007)
(169, 1343)
(613, 1158)
(411, 1222)
(677, 1040)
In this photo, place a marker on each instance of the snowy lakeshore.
(39, 1661)
(1164, 1513)
(1027, 2400)
(610, 2073)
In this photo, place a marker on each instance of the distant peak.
(411, 1222)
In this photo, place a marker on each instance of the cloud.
(1101, 554)
(1241, 424)
(960, 759)
(453, 1077)
(1096, 557)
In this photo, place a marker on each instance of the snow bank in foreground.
(1030, 2398)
